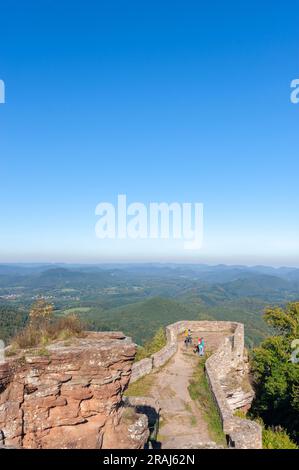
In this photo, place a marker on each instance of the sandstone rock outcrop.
(70, 396)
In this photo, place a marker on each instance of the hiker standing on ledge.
(201, 345)
(188, 337)
(200, 348)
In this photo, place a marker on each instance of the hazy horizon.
(144, 263)
(161, 101)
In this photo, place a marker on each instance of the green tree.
(40, 313)
(151, 347)
(276, 377)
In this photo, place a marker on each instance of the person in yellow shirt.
(188, 337)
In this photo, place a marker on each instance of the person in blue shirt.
(202, 347)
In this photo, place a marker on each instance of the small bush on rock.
(43, 328)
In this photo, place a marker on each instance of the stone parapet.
(241, 433)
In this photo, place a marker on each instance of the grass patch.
(11, 351)
(141, 387)
(40, 352)
(129, 415)
(200, 392)
(193, 421)
(160, 437)
(77, 310)
(240, 414)
(188, 407)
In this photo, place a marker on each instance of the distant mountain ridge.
(141, 297)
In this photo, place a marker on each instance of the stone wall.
(141, 368)
(145, 366)
(241, 433)
(70, 396)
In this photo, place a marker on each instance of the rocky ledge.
(69, 395)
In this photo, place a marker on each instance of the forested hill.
(12, 319)
(140, 298)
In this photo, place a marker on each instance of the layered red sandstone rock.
(71, 396)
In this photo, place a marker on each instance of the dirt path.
(182, 424)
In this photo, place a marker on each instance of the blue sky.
(162, 101)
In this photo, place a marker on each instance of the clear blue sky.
(161, 100)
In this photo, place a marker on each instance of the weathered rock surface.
(240, 399)
(71, 396)
(237, 388)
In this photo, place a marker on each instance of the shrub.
(240, 414)
(42, 328)
(277, 438)
(40, 313)
(152, 346)
(66, 327)
(29, 337)
(276, 377)
(274, 437)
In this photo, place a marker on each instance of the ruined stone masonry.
(71, 396)
(226, 371)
